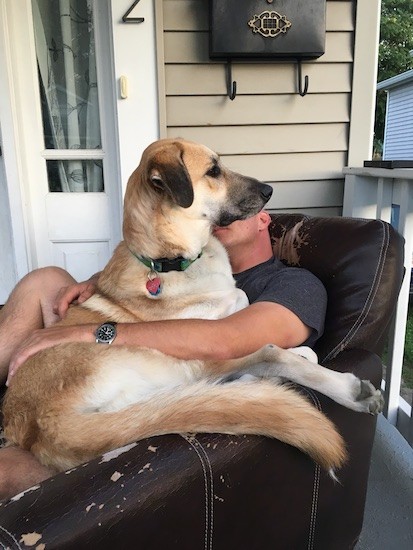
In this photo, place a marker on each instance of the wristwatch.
(106, 333)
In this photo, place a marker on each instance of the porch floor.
(388, 520)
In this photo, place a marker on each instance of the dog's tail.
(261, 408)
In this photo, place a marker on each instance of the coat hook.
(301, 91)
(231, 84)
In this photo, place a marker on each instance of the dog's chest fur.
(206, 289)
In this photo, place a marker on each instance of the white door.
(65, 100)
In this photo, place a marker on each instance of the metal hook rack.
(232, 84)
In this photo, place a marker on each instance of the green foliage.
(408, 351)
(396, 41)
(407, 372)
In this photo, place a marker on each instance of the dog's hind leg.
(274, 362)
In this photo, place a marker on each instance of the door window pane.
(65, 49)
(75, 176)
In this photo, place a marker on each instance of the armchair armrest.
(364, 364)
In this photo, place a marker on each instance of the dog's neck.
(169, 239)
(164, 265)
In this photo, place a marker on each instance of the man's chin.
(218, 229)
(220, 233)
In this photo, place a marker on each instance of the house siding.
(398, 141)
(297, 144)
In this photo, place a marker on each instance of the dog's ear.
(168, 172)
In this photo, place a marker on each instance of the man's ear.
(168, 172)
(264, 220)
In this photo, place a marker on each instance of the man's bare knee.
(45, 278)
(43, 285)
(29, 307)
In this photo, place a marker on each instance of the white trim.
(135, 59)
(108, 116)
(395, 81)
(372, 172)
(27, 121)
(82, 154)
(10, 146)
(8, 262)
(160, 57)
(364, 81)
(370, 193)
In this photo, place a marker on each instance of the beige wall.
(298, 144)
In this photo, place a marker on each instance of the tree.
(396, 43)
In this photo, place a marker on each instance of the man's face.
(241, 231)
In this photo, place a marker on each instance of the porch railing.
(387, 194)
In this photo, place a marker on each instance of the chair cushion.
(360, 262)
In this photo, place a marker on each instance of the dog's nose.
(265, 192)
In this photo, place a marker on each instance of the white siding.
(297, 144)
(398, 141)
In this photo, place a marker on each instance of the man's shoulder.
(275, 268)
(276, 281)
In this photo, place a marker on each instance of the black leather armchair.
(219, 492)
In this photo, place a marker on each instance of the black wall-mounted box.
(258, 29)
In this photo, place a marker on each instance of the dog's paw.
(368, 398)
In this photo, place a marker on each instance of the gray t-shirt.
(293, 287)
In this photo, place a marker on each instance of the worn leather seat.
(219, 492)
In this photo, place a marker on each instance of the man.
(287, 308)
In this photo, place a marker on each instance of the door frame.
(135, 57)
(10, 149)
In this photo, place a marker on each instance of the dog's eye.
(214, 172)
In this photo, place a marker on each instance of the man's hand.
(47, 338)
(76, 293)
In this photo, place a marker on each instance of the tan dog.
(70, 403)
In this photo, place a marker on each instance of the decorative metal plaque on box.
(267, 30)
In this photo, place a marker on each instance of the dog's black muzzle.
(265, 192)
(248, 201)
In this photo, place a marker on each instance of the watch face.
(106, 333)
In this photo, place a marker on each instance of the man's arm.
(235, 336)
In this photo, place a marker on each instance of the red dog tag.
(153, 286)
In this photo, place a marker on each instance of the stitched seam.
(314, 507)
(316, 484)
(207, 522)
(12, 538)
(205, 487)
(383, 253)
(211, 478)
(370, 298)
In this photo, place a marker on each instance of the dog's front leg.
(274, 362)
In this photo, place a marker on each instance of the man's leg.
(19, 470)
(29, 307)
